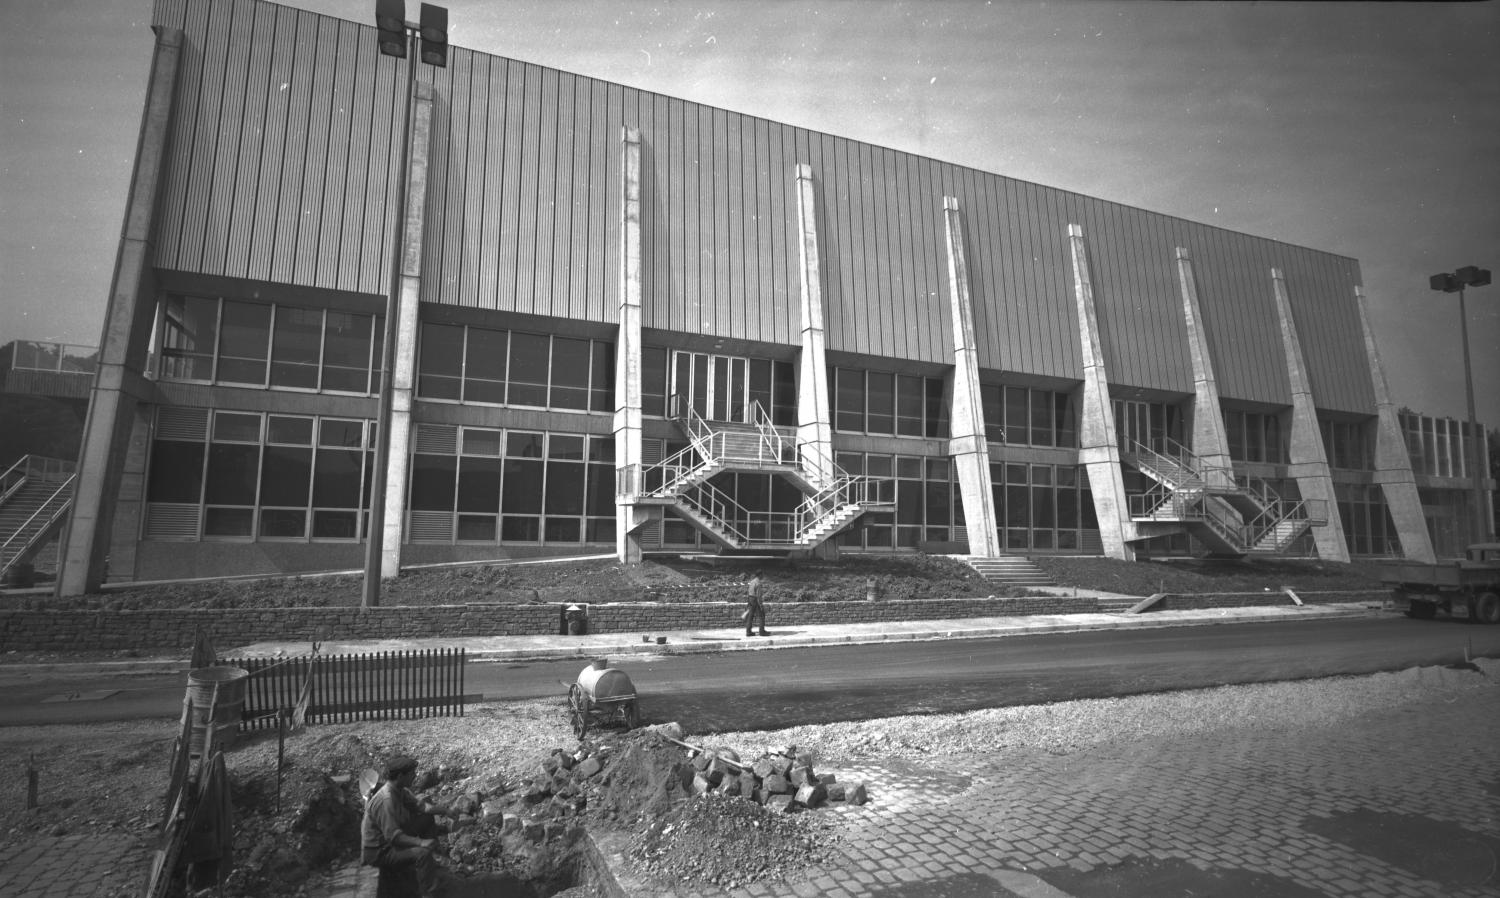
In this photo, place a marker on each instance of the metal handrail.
(6, 558)
(27, 467)
(771, 440)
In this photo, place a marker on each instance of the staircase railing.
(1181, 507)
(772, 444)
(48, 513)
(1301, 514)
(742, 525)
(29, 467)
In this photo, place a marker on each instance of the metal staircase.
(35, 496)
(833, 500)
(1233, 517)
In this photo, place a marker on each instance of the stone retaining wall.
(167, 630)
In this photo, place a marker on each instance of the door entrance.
(716, 386)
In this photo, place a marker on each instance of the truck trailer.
(1467, 588)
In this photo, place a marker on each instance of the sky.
(1370, 130)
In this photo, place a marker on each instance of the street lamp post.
(1455, 282)
(399, 38)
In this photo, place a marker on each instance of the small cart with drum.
(602, 695)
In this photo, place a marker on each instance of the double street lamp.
(1455, 282)
(400, 38)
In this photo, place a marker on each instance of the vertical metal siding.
(284, 163)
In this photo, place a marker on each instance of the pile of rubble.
(782, 781)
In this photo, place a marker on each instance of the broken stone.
(835, 791)
(668, 730)
(589, 768)
(780, 803)
(509, 824)
(780, 764)
(702, 760)
(534, 830)
(804, 759)
(492, 809)
(777, 785)
(855, 793)
(762, 768)
(747, 787)
(827, 779)
(701, 784)
(812, 795)
(802, 776)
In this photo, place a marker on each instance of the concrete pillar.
(628, 352)
(404, 373)
(1210, 443)
(967, 443)
(1098, 443)
(1309, 459)
(119, 384)
(814, 424)
(1392, 461)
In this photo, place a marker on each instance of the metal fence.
(344, 688)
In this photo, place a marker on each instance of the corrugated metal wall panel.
(283, 148)
(247, 169)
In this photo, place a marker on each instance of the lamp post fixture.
(1455, 282)
(399, 38)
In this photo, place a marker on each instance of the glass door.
(716, 386)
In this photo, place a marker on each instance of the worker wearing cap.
(399, 831)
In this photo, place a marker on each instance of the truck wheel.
(1487, 609)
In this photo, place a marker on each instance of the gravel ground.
(496, 747)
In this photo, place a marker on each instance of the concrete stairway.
(1010, 570)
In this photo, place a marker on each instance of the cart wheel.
(578, 713)
(632, 715)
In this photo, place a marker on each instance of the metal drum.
(601, 695)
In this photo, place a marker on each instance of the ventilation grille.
(190, 424)
(437, 439)
(168, 521)
(431, 527)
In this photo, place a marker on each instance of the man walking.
(399, 833)
(755, 608)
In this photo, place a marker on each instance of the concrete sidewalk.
(522, 648)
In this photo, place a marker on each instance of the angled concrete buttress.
(1098, 446)
(1210, 443)
(119, 384)
(408, 297)
(1309, 459)
(627, 425)
(814, 427)
(1392, 461)
(967, 443)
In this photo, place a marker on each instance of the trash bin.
(578, 619)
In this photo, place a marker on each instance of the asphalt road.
(783, 687)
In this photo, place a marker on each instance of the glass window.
(232, 469)
(1041, 418)
(346, 353)
(570, 373)
(441, 363)
(528, 369)
(289, 430)
(176, 472)
(519, 444)
(1065, 418)
(910, 392)
(849, 408)
(228, 522)
(520, 529)
(296, 347)
(564, 488)
(937, 409)
(432, 478)
(190, 328)
(336, 476)
(992, 400)
(237, 427)
(602, 377)
(783, 393)
(601, 490)
(283, 523)
(286, 472)
(881, 390)
(476, 528)
(522, 490)
(1017, 416)
(335, 524)
(654, 381)
(479, 485)
(244, 343)
(484, 366)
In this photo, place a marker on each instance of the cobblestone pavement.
(67, 866)
(1403, 804)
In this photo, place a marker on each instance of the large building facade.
(621, 322)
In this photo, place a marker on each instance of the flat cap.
(398, 765)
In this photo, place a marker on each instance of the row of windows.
(500, 367)
(257, 344)
(1042, 507)
(268, 476)
(1368, 527)
(474, 484)
(1255, 437)
(1020, 416)
(1348, 444)
(1437, 446)
(882, 402)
